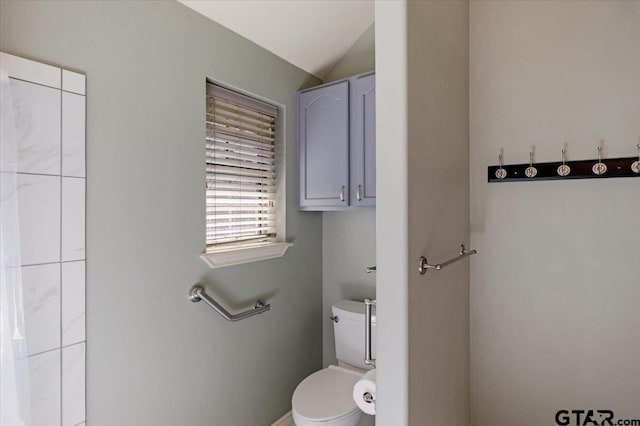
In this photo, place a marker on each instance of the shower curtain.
(14, 368)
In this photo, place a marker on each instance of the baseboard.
(286, 420)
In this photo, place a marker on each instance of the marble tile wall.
(49, 115)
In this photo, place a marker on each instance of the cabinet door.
(323, 145)
(363, 141)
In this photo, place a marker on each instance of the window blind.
(241, 173)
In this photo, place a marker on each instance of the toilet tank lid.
(351, 309)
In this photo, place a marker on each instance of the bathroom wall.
(155, 358)
(392, 360)
(348, 237)
(555, 287)
(49, 116)
(438, 188)
(361, 57)
(423, 209)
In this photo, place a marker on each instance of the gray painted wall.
(153, 358)
(349, 237)
(392, 359)
(361, 57)
(555, 286)
(438, 211)
(348, 247)
(423, 209)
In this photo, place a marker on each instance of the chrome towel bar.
(197, 293)
(424, 266)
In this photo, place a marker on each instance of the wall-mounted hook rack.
(583, 169)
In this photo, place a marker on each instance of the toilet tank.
(348, 331)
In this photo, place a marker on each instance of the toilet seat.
(326, 398)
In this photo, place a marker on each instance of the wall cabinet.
(336, 145)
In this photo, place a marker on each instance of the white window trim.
(245, 253)
(252, 251)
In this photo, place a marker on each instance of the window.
(242, 190)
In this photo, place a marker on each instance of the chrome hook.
(531, 171)
(636, 165)
(564, 170)
(599, 168)
(501, 173)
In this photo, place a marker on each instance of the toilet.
(326, 396)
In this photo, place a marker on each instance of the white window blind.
(241, 174)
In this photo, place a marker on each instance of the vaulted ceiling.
(311, 34)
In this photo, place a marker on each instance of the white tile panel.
(28, 70)
(44, 375)
(73, 82)
(41, 294)
(36, 113)
(39, 215)
(50, 134)
(73, 218)
(73, 302)
(73, 385)
(73, 135)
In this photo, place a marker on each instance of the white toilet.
(326, 396)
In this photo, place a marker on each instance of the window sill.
(229, 256)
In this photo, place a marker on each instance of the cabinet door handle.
(359, 192)
(342, 193)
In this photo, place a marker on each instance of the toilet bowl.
(326, 398)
